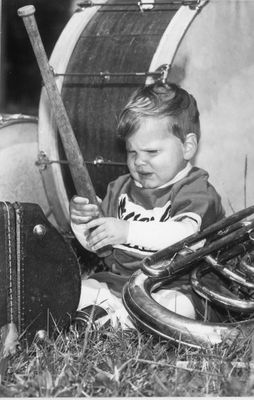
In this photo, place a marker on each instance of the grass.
(117, 363)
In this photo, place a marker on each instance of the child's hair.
(161, 100)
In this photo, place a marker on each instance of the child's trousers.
(98, 293)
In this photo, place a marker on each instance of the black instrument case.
(39, 272)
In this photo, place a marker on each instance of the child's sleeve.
(200, 198)
(193, 207)
(157, 235)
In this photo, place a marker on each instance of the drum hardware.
(7, 119)
(106, 76)
(146, 5)
(43, 161)
(165, 68)
(142, 5)
(99, 160)
(161, 73)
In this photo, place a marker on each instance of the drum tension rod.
(108, 75)
(43, 161)
(161, 73)
(142, 5)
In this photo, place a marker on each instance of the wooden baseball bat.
(79, 172)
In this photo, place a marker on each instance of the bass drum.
(20, 179)
(101, 57)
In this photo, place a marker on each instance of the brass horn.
(228, 252)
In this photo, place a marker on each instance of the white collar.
(181, 174)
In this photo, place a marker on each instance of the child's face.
(154, 154)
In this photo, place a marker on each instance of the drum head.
(215, 62)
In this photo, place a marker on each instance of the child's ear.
(190, 146)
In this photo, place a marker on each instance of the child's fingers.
(79, 219)
(95, 223)
(81, 203)
(79, 200)
(86, 210)
(96, 235)
(83, 209)
(100, 244)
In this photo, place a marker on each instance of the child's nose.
(140, 160)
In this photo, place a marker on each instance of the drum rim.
(12, 119)
(10, 137)
(175, 31)
(47, 130)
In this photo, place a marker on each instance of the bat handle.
(80, 175)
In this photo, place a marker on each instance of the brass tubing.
(162, 258)
(152, 316)
(182, 262)
(224, 298)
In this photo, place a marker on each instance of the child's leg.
(187, 303)
(175, 301)
(98, 294)
(92, 292)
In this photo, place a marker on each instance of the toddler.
(162, 200)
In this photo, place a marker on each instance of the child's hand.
(107, 231)
(81, 211)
